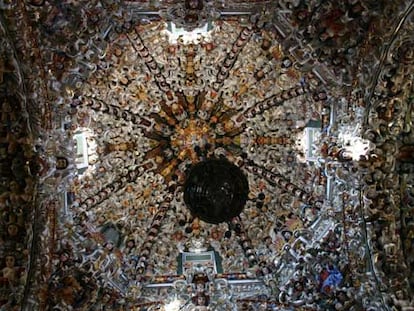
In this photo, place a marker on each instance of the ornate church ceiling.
(119, 115)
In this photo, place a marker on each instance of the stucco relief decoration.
(192, 14)
(206, 155)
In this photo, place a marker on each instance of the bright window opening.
(177, 33)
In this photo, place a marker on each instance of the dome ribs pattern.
(109, 190)
(149, 60)
(231, 57)
(145, 250)
(244, 241)
(111, 104)
(117, 112)
(163, 113)
(275, 101)
(281, 182)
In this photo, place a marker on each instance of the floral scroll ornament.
(191, 14)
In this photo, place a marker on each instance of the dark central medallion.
(216, 190)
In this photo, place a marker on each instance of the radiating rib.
(275, 100)
(231, 56)
(150, 62)
(245, 242)
(105, 192)
(269, 140)
(151, 238)
(118, 113)
(281, 182)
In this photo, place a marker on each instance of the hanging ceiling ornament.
(216, 190)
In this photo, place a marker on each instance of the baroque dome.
(206, 155)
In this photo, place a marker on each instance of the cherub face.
(12, 230)
(10, 261)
